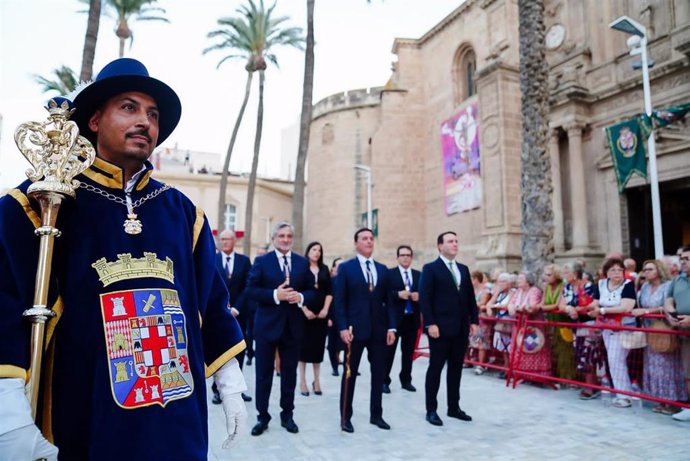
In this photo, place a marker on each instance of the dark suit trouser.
(264, 357)
(377, 360)
(444, 350)
(249, 332)
(335, 345)
(407, 336)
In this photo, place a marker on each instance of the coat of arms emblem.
(146, 339)
(627, 142)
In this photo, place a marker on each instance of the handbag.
(662, 342)
(633, 339)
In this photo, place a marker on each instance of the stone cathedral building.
(442, 137)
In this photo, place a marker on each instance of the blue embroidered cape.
(141, 321)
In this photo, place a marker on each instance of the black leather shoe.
(409, 387)
(259, 428)
(433, 418)
(347, 427)
(461, 415)
(246, 397)
(380, 423)
(290, 426)
(386, 389)
(216, 398)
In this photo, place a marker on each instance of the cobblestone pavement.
(525, 423)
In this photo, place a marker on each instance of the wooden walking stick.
(57, 154)
(346, 377)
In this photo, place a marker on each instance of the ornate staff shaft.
(57, 154)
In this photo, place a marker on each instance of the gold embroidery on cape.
(127, 267)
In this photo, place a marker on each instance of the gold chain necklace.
(131, 225)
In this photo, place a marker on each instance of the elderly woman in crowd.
(481, 342)
(576, 298)
(534, 353)
(663, 371)
(560, 337)
(502, 330)
(614, 297)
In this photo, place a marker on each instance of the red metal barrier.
(644, 373)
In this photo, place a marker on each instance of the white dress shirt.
(456, 271)
(372, 267)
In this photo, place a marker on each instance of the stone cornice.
(438, 27)
(493, 66)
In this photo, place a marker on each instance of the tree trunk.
(122, 48)
(231, 146)
(537, 212)
(305, 125)
(249, 214)
(90, 39)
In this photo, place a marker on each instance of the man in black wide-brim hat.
(142, 315)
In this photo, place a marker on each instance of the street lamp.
(367, 170)
(637, 43)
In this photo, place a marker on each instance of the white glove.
(20, 439)
(231, 384)
(26, 444)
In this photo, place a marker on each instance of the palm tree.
(124, 10)
(251, 36)
(537, 212)
(304, 130)
(90, 38)
(64, 83)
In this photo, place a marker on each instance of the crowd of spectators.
(621, 329)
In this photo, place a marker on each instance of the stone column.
(578, 194)
(557, 198)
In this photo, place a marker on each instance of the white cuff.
(275, 296)
(16, 411)
(229, 379)
(301, 300)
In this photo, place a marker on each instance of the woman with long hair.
(316, 320)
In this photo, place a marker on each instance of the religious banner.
(670, 115)
(460, 151)
(627, 143)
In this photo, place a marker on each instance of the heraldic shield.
(146, 339)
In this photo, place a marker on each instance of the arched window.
(464, 67)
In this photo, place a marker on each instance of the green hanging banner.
(627, 143)
(627, 140)
(670, 115)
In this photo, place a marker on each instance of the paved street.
(525, 423)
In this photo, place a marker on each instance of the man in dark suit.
(281, 284)
(365, 320)
(450, 311)
(235, 268)
(404, 297)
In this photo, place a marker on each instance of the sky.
(353, 50)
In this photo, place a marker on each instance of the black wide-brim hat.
(121, 76)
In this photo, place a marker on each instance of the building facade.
(272, 202)
(459, 84)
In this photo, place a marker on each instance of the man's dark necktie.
(228, 266)
(370, 276)
(286, 269)
(455, 278)
(408, 287)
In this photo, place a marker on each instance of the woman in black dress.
(316, 315)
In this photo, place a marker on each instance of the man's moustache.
(140, 133)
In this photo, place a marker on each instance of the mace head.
(55, 150)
